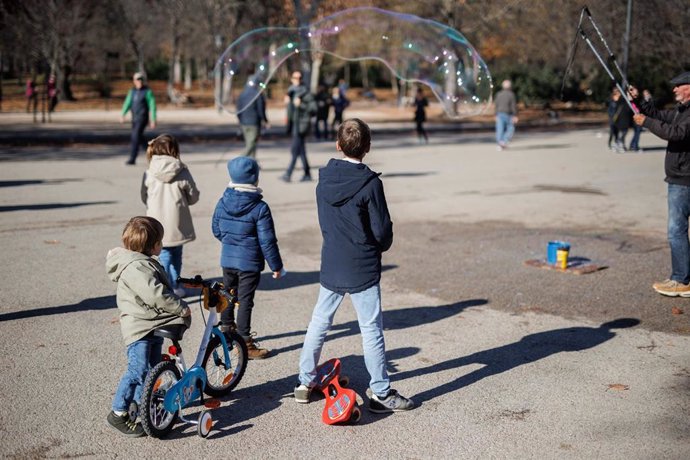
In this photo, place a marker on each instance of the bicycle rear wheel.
(222, 377)
(155, 419)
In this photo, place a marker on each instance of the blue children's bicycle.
(220, 364)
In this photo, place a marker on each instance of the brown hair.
(354, 138)
(165, 144)
(141, 234)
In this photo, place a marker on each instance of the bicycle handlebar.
(212, 285)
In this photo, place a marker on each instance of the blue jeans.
(142, 355)
(635, 143)
(678, 214)
(368, 307)
(171, 260)
(504, 127)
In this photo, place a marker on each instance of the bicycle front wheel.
(155, 419)
(222, 377)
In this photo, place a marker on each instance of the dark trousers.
(244, 284)
(138, 127)
(298, 149)
(317, 128)
(421, 132)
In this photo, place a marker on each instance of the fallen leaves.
(677, 311)
(618, 387)
(51, 241)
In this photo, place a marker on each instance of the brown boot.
(254, 351)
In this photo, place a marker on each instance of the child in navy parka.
(242, 222)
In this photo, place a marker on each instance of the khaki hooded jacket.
(167, 190)
(144, 296)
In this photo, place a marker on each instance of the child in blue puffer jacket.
(242, 222)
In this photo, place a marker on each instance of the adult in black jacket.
(674, 127)
(301, 108)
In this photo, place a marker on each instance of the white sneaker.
(179, 292)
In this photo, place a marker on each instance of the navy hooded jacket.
(355, 226)
(242, 222)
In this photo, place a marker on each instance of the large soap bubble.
(415, 49)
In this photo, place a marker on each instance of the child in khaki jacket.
(146, 302)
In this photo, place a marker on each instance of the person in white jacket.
(167, 190)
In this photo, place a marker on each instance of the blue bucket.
(552, 249)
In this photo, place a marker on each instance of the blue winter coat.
(242, 222)
(355, 226)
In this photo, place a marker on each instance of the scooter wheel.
(356, 415)
(205, 424)
(344, 380)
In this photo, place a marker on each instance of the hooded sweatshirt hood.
(238, 203)
(165, 168)
(340, 180)
(118, 259)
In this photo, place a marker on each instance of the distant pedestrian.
(673, 126)
(168, 190)
(323, 108)
(635, 143)
(301, 107)
(420, 104)
(141, 102)
(506, 114)
(611, 106)
(251, 112)
(31, 96)
(340, 103)
(622, 120)
(242, 222)
(52, 92)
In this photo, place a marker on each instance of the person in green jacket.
(146, 302)
(141, 102)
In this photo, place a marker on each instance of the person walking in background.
(323, 108)
(340, 103)
(635, 143)
(356, 229)
(168, 190)
(52, 92)
(611, 106)
(506, 114)
(420, 104)
(141, 102)
(251, 112)
(242, 222)
(31, 96)
(301, 106)
(673, 126)
(622, 120)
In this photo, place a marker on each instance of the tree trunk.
(188, 74)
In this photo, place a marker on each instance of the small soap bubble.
(416, 50)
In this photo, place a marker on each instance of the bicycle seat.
(172, 332)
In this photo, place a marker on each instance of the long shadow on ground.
(529, 349)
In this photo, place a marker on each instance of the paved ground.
(506, 361)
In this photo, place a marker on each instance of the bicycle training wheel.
(222, 377)
(156, 421)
